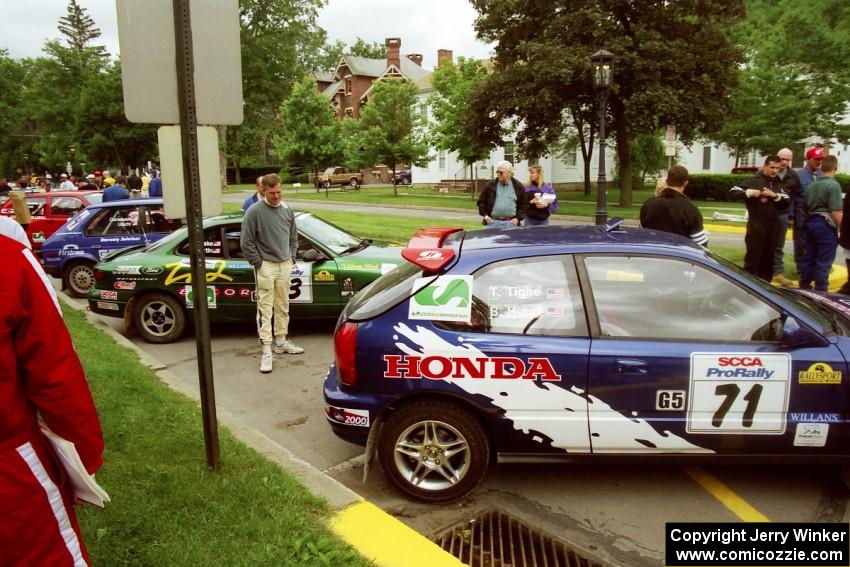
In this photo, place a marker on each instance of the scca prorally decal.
(558, 413)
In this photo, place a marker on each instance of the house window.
(349, 112)
(423, 110)
(745, 160)
(442, 160)
(706, 157)
(510, 151)
(568, 156)
(348, 85)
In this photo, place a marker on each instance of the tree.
(453, 85)
(675, 65)
(371, 50)
(787, 90)
(310, 134)
(14, 143)
(281, 43)
(387, 131)
(80, 31)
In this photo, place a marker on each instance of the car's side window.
(234, 245)
(37, 206)
(65, 206)
(665, 298)
(157, 222)
(212, 244)
(114, 220)
(529, 296)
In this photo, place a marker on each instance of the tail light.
(345, 349)
(99, 275)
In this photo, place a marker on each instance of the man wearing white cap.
(67, 184)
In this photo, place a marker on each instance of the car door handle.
(625, 366)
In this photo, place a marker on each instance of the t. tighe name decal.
(443, 367)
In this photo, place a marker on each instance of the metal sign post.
(194, 222)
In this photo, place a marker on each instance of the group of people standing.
(505, 202)
(809, 200)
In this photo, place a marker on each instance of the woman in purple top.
(539, 207)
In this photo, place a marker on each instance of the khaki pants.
(273, 299)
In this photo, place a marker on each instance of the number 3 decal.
(739, 393)
(294, 288)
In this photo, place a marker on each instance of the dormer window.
(348, 85)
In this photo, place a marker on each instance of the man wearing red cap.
(807, 175)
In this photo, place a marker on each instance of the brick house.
(349, 85)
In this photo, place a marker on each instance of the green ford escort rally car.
(150, 286)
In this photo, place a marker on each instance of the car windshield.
(828, 321)
(95, 198)
(169, 240)
(326, 234)
(384, 293)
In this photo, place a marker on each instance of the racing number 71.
(731, 392)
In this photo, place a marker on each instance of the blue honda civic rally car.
(565, 342)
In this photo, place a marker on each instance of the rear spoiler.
(425, 248)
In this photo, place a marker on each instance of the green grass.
(574, 203)
(167, 507)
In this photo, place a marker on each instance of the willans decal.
(559, 413)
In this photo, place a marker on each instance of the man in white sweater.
(270, 242)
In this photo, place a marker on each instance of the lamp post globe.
(602, 63)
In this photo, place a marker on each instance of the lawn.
(573, 203)
(167, 507)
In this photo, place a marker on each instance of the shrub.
(712, 187)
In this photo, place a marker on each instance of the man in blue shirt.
(261, 191)
(807, 175)
(155, 187)
(503, 202)
(116, 192)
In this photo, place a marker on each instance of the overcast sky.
(424, 26)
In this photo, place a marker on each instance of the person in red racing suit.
(40, 374)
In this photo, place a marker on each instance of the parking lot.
(614, 512)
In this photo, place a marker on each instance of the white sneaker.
(266, 362)
(287, 347)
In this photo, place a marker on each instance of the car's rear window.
(384, 293)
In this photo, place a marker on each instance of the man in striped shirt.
(672, 211)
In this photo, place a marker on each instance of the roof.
(331, 89)
(368, 67)
(142, 201)
(579, 236)
(323, 76)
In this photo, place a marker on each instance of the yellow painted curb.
(726, 496)
(387, 542)
(725, 228)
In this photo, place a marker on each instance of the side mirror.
(795, 335)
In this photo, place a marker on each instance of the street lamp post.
(603, 76)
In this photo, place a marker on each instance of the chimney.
(444, 57)
(416, 58)
(393, 48)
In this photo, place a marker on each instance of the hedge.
(715, 187)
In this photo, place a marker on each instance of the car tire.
(353, 184)
(159, 318)
(435, 427)
(406, 181)
(78, 278)
(326, 185)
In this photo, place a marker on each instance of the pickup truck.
(340, 176)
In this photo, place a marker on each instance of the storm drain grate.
(495, 539)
